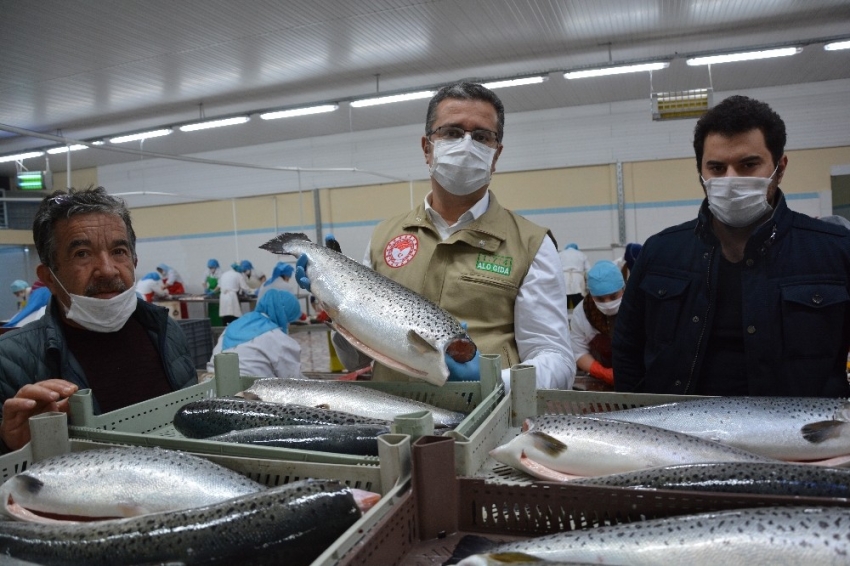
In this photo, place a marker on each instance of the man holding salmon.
(750, 298)
(490, 268)
(96, 333)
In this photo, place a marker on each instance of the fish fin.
(843, 414)
(528, 424)
(822, 431)
(250, 395)
(836, 462)
(548, 444)
(377, 356)
(419, 343)
(542, 472)
(468, 546)
(323, 406)
(276, 244)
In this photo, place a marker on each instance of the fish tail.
(279, 244)
(469, 545)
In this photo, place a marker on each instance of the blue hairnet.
(604, 278)
(212, 264)
(152, 275)
(281, 269)
(245, 266)
(571, 246)
(235, 267)
(19, 285)
(631, 254)
(276, 309)
(329, 237)
(164, 267)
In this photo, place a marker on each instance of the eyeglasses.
(453, 133)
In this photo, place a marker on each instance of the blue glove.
(301, 273)
(469, 371)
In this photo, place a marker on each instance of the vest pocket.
(813, 318)
(664, 295)
(488, 282)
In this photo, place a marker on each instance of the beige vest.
(475, 274)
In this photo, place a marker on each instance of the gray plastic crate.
(199, 335)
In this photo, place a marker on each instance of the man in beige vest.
(492, 269)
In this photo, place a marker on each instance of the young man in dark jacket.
(96, 333)
(751, 298)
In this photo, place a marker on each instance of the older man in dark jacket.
(96, 332)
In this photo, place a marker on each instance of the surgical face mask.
(738, 201)
(463, 166)
(100, 315)
(609, 308)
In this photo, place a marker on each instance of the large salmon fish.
(383, 319)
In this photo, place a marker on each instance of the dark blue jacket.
(796, 308)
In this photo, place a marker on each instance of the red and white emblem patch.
(401, 250)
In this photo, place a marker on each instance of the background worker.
(171, 279)
(576, 266)
(281, 279)
(210, 283)
(232, 284)
(592, 323)
(21, 290)
(750, 298)
(627, 262)
(261, 338)
(96, 333)
(35, 307)
(489, 267)
(254, 278)
(150, 286)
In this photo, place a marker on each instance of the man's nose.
(106, 264)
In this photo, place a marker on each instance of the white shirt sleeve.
(581, 331)
(540, 322)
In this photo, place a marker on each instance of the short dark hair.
(465, 91)
(60, 205)
(739, 114)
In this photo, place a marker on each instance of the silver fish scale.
(764, 478)
(771, 426)
(375, 309)
(113, 481)
(767, 536)
(346, 397)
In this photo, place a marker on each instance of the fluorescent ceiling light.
(141, 136)
(514, 82)
(214, 124)
(748, 56)
(656, 66)
(20, 156)
(299, 112)
(98, 142)
(836, 45)
(393, 98)
(65, 148)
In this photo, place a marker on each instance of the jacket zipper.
(705, 319)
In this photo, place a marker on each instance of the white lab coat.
(581, 331)
(271, 354)
(576, 266)
(230, 283)
(279, 283)
(147, 286)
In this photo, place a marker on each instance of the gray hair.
(60, 205)
(465, 91)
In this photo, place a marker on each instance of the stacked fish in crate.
(752, 506)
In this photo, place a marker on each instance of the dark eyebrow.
(78, 244)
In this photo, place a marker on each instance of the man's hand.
(468, 371)
(32, 399)
(301, 273)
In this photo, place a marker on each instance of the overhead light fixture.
(141, 135)
(680, 104)
(514, 82)
(20, 156)
(98, 142)
(746, 56)
(214, 123)
(65, 148)
(393, 98)
(603, 71)
(836, 45)
(299, 112)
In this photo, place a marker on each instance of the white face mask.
(609, 308)
(738, 201)
(100, 315)
(463, 166)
